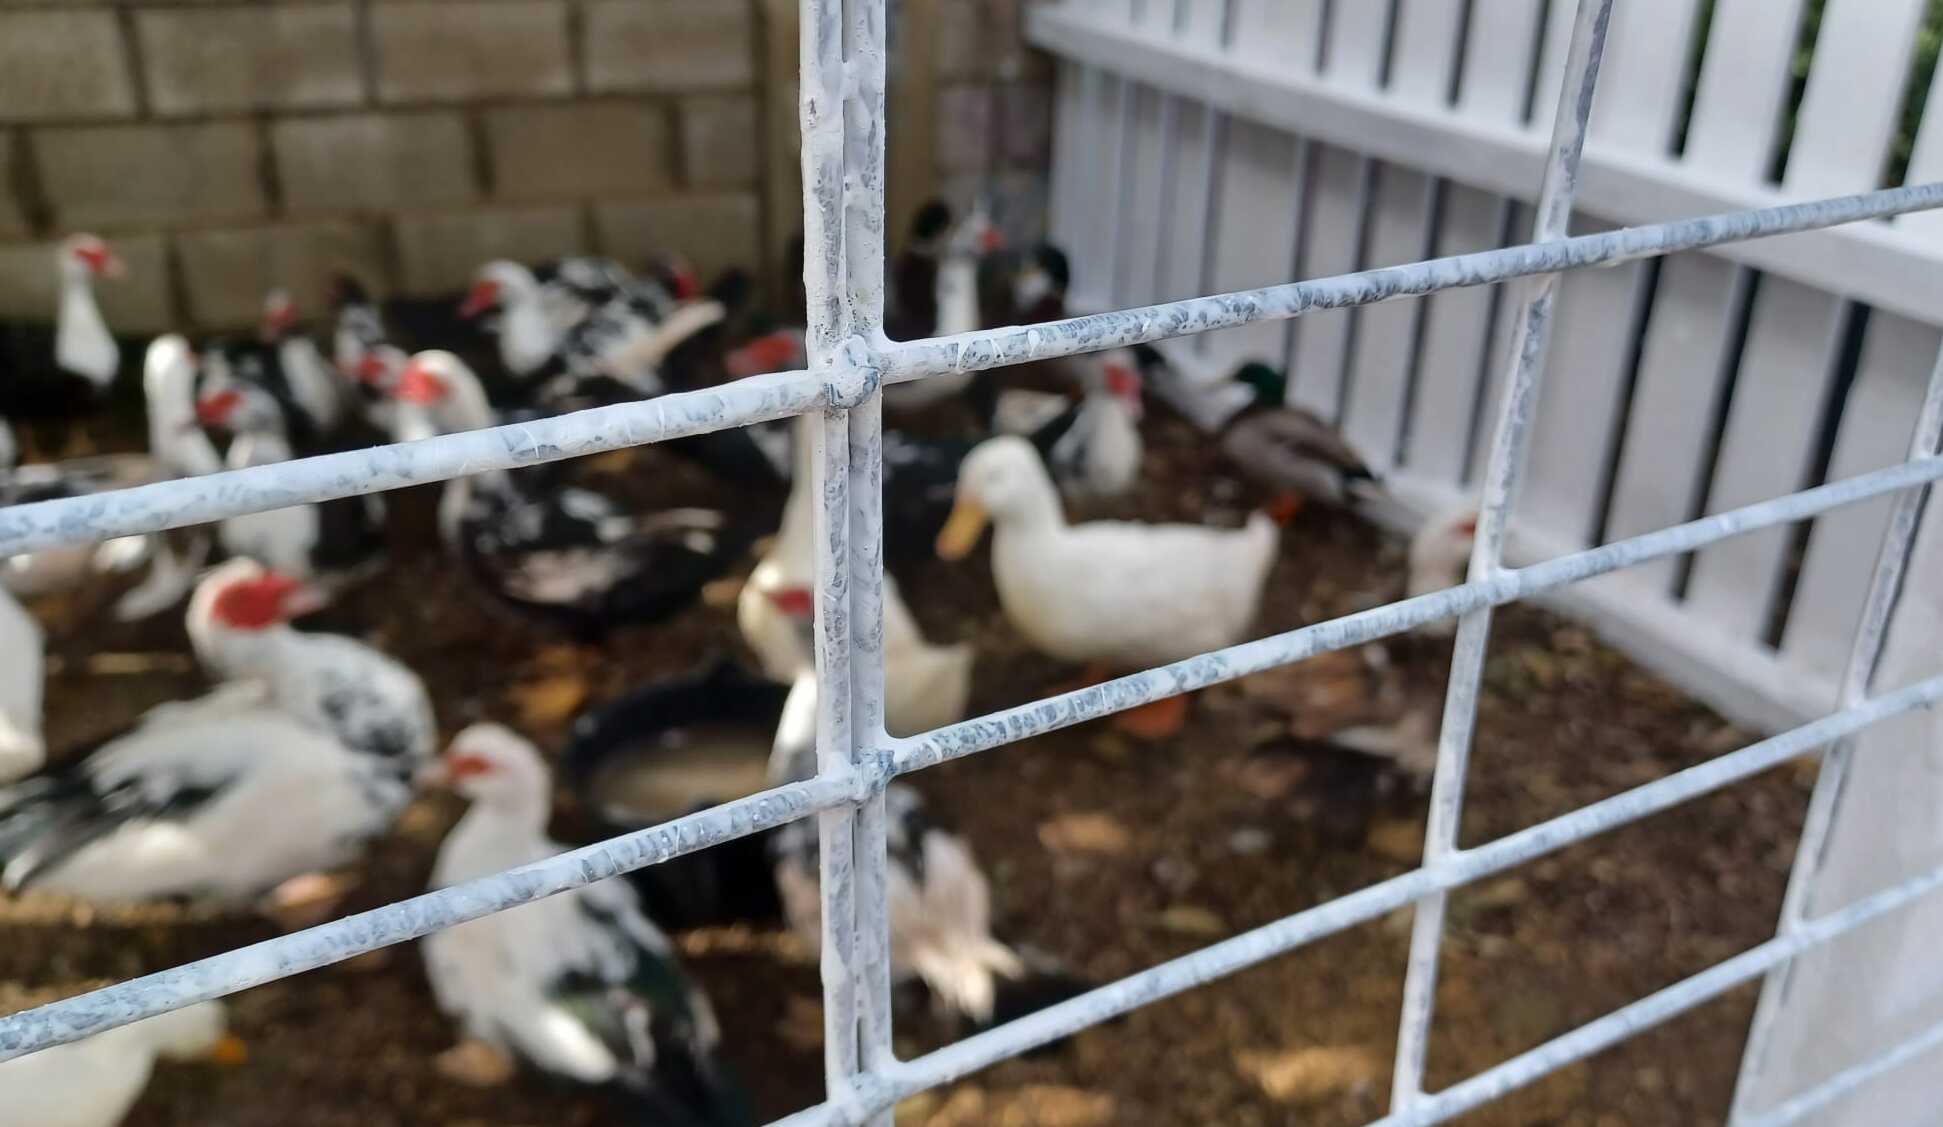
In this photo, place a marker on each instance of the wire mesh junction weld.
(186, 501)
(77, 1017)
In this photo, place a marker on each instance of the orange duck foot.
(1154, 722)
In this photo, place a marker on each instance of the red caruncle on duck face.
(259, 602)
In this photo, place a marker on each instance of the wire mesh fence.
(850, 361)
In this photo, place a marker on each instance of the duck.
(1114, 595)
(288, 367)
(581, 987)
(331, 544)
(532, 318)
(22, 748)
(284, 770)
(362, 351)
(1440, 557)
(94, 1082)
(239, 626)
(1039, 287)
(913, 309)
(940, 900)
(1291, 449)
(1093, 448)
(178, 447)
(83, 346)
(926, 686)
(957, 311)
(571, 557)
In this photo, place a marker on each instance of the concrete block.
(1025, 123)
(206, 60)
(374, 161)
(714, 232)
(669, 45)
(62, 64)
(579, 149)
(131, 174)
(720, 141)
(457, 51)
(964, 134)
(438, 253)
(226, 272)
(962, 32)
(134, 304)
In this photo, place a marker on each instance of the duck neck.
(82, 342)
(957, 291)
(1034, 512)
(793, 756)
(231, 655)
(526, 338)
(175, 437)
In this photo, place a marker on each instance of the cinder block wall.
(225, 147)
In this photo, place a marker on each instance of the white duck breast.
(21, 685)
(219, 801)
(1099, 455)
(94, 1081)
(958, 312)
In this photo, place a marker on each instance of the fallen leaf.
(1085, 833)
(549, 701)
(1398, 839)
(1302, 1076)
(1192, 919)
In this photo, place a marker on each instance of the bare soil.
(1108, 855)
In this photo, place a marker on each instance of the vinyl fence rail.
(843, 125)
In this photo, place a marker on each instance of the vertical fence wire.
(1500, 489)
(826, 292)
(1865, 653)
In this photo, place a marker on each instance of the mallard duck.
(1116, 595)
(925, 686)
(94, 1081)
(581, 986)
(1290, 449)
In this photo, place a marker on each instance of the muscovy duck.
(83, 346)
(331, 544)
(957, 311)
(288, 367)
(913, 278)
(22, 749)
(1118, 595)
(571, 557)
(94, 1081)
(581, 986)
(362, 352)
(177, 448)
(926, 686)
(305, 753)
(940, 900)
(1039, 288)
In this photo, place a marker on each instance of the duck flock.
(262, 793)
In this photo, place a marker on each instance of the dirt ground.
(1109, 855)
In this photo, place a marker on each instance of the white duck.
(313, 385)
(940, 900)
(958, 310)
(1440, 557)
(925, 686)
(22, 749)
(94, 1081)
(1094, 449)
(1118, 595)
(332, 544)
(83, 346)
(229, 795)
(581, 986)
(533, 318)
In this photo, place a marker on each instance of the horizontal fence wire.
(1377, 900)
(217, 496)
(280, 957)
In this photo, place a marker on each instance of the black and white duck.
(283, 771)
(955, 305)
(569, 556)
(581, 987)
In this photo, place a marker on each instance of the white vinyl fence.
(843, 162)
